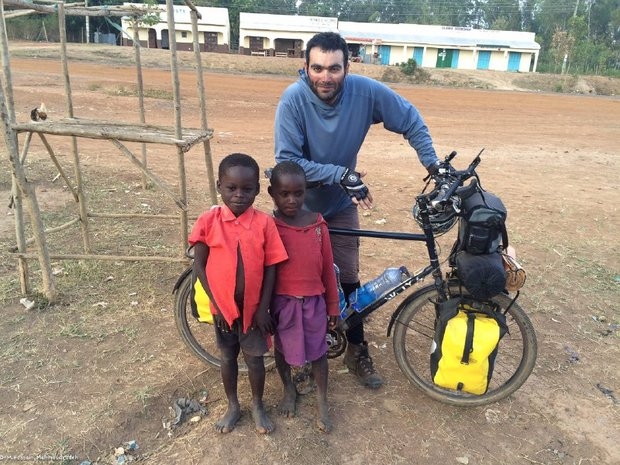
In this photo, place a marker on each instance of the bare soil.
(105, 365)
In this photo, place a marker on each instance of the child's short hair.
(286, 167)
(237, 159)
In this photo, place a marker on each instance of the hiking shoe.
(359, 362)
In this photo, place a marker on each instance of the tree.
(562, 44)
(502, 14)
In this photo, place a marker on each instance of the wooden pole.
(21, 187)
(129, 258)
(16, 203)
(79, 188)
(93, 129)
(203, 104)
(176, 91)
(182, 205)
(58, 167)
(25, 147)
(56, 229)
(140, 89)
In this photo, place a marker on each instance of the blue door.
(514, 60)
(418, 55)
(484, 58)
(455, 59)
(384, 52)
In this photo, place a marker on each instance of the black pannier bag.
(483, 276)
(482, 224)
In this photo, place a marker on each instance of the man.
(321, 123)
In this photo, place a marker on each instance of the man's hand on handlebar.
(440, 169)
(351, 182)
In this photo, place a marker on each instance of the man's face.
(326, 71)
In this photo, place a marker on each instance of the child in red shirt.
(305, 297)
(236, 249)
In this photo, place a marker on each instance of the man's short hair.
(328, 42)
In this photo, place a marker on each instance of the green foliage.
(34, 28)
(151, 18)
(409, 68)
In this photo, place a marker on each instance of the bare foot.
(227, 423)
(264, 425)
(324, 422)
(287, 405)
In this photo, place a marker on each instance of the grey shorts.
(346, 248)
(252, 343)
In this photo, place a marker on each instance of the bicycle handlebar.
(452, 183)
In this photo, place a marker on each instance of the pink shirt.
(255, 233)
(309, 270)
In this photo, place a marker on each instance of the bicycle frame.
(433, 268)
(423, 203)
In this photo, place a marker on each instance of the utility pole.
(87, 23)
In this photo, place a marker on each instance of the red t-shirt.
(255, 233)
(309, 270)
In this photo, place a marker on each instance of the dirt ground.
(105, 365)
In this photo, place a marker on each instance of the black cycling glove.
(434, 168)
(352, 183)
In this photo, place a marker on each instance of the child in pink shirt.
(305, 297)
(236, 249)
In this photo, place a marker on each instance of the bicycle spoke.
(200, 336)
(413, 334)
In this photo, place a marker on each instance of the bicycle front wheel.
(199, 337)
(413, 337)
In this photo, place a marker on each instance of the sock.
(355, 335)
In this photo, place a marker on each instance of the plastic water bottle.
(342, 302)
(377, 288)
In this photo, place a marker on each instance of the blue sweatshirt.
(325, 139)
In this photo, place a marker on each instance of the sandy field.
(105, 365)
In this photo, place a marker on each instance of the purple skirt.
(301, 326)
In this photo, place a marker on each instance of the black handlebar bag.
(482, 226)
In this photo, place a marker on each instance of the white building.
(213, 29)
(390, 44)
(279, 35)
(442, 46)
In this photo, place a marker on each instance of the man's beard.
(329, 97)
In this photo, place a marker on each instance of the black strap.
(469, 338)
(504, 236)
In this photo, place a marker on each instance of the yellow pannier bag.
(200, 303)
(465, 346)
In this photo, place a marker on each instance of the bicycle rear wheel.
(413, 336)
(200, 337)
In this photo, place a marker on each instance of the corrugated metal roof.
(435, 35)
(210, 15)
(288, 23)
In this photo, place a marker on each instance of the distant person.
(305, 297)
(321, 122)
(236, 249)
